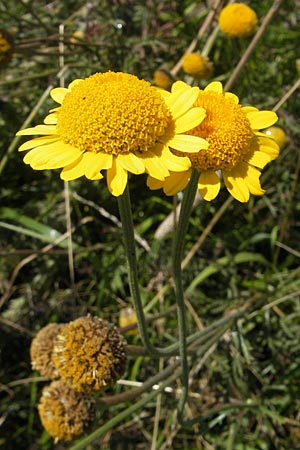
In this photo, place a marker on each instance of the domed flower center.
(227, 130)
(113, 113)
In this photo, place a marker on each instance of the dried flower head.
(41, 350)
(118, 123)
(237, 20)
(64, 413)
(6, 47)
(237, 148)
(89, 353)
(197, 66)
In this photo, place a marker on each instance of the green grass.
(244, 389)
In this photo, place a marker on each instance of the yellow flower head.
(41, 350)
(118, 123)
(89, 354)
(163, 79)
(64, 413)
(197, 66)
(6, 47)
(236, 148)
(237, 20)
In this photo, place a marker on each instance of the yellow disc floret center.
(113, 113)
(227, 130)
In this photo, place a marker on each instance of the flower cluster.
(118, 123)
(81, 357)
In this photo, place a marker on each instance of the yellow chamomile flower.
(6, 47)
(197, 66)
(236, 148)
(41, 350)
(237, 20)
(89, 354)
(118, 123)
(64, 413)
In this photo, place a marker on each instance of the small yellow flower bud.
(128, 317)
(278, 134)
(163, 79)
(197, 66)
(6, 47)
(237, 20)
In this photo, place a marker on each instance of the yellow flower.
(163, 79)
(118, 123)
(197, 66)
(236, 148)
(237, 20)
(6, 47)
(64, 413)
(89, 354)
(41, 350)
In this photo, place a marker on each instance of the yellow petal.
(58, 94)
(36, 142)
(263, 140)
(73, 171)
(131, 163)
(215, 86)
(189, 120)
(236, 184)
(116, 179)
(102, 160)
(179, 86)
(209, 185)
(259, 159)
(176, 182)
(52, 156)
(230, 96)
(265, 145)
(261, 119)
(187, 144)
(92, 165)
(51, 119)
(88, 165)
(247, 109)
(165, 94)
(183, 103)
(175, 163)
(153, 183)
(74, 83)
(39, 129)
(252, 181)
(155, 165)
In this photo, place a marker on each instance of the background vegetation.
(246, 388)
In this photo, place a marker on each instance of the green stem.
(129, 242)
(146, 400)
(180, 234)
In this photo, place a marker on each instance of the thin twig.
(252, 44)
